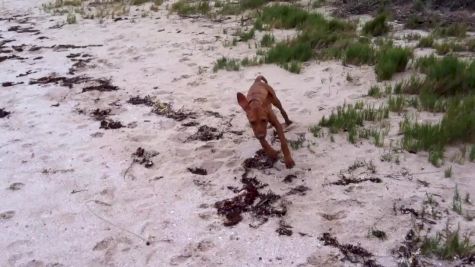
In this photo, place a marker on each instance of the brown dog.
(257, 106)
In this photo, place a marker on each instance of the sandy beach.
(75, 193)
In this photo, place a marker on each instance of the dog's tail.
(260, 78)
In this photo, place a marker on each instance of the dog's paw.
(289, 164)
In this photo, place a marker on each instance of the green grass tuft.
(457, 126)
(396, 103)
(245, 36)
(283, 53)
(267, 40)
(453, 30)
(448, 76)
(448, 246)
(436, 157)
(457, 202)
(470, 44)
(391, 60)
(448, 47)
(426, 42)
(226, 64)
(317, 36)
(376, 27)
(294, 67)
(252, 4)
(351, 118)
(287, 17)
(318, 3)
(316, 130)
(251, 61)
(139, 2)
(375, 91)
(471, 156)
(359, 53)
(71, 18)
(297, 144)
(412, 37)
(186, 8)
(448, 172)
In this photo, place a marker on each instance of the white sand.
(51, 225)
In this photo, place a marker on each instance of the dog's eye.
(263, 120)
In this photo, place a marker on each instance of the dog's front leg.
(289, 162)
(270, 152)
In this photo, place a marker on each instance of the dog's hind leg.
(276, 102)
(278, 105)
(289, 162)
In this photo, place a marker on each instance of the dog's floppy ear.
(242, 101)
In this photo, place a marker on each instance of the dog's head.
(256, 114)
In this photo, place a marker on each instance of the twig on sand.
(147, 242)
(408, 174)
(128, 169)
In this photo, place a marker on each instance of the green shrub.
(374, 91)
(448, 246)
(426, 42)
(457, 126)
(472, 153)
(317, 36)
(227, 64)
(251, 61)
(229, 8)
(237, 7)
(431, 102)
(359, 53)
(252, 4)
(448, 75)
(139, 2)
(286, 17)
(376, 27)
(412, 86)
(412, 37)
(419, 5)
(448, 172)
(396, 103)
(316, 130)
(246, 36)
(282, 53)
(350, 118)
(318, 3)
(442, 49)
(267, 40)
(71, 18)
(416, 21)
(446, 47)
(391, 60)
(185, 8)
(293, 66)
(471, 45)
(453, 30)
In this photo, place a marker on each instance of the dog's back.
(259, 90)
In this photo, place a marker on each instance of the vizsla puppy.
(257, 106)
